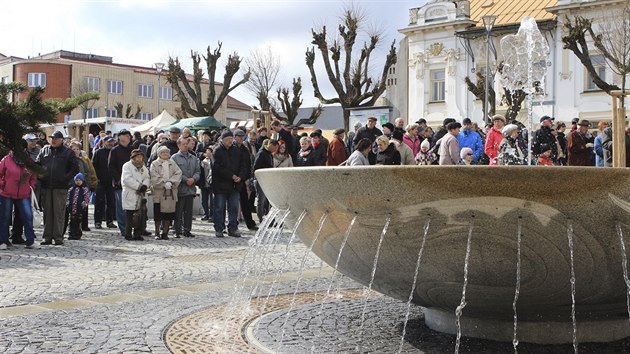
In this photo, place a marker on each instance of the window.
(166, 93)
(4, 80)
(92, 84)
(599, 63)
(36, 80)
(111, 113)
(146, 116)
(114, 87)
(145, 91)
(437, 85)
(91, 113)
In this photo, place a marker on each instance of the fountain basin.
(545, 201)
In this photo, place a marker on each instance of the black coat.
(543, 140)
(306, 160)
(264, 159)
(364, 132)
(60, 166)
(118, 155)
(389, 156)
(227, 163)
(100, 162)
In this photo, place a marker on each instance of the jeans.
(183, 214)
(22, 206)
(120, 213)
(207, 202)
(220, 200)
(104, 203)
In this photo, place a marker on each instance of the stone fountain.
(571, 220)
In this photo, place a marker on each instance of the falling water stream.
(332, 277)
(283, 263)
(462, 304)
(369, 288)
(413, 286)
(245, 268)
(322, 220)
(518, 282)
(570, 237)
(624, 264)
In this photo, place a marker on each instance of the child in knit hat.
(425, 156)
(77, 201)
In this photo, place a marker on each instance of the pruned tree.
(26, 116)
(575, 40)
(264, 67)
(193, 101)
(291, 105)
(128, 111)
(478, 89)
(513, 100)
(349, 76)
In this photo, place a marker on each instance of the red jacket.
(493, 139)
(12, 183)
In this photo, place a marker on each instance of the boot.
(165, 226)
(157, 231)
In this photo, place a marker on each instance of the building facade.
(445, 42)
(66, 74)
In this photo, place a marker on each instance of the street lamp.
(488, 22)
(158, 67)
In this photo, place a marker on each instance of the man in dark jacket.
(371, 132)
(171, 144)
(60, 165)
(264, 159)
(247, 151)
(120, 154)
(229, 173)
(104, 204)
(544, 140)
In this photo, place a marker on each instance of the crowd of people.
(119, 173)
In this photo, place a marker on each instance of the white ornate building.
(445, 41)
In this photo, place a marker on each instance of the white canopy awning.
(163, 119)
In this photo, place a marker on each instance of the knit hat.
(136, 152)
(79, 176)
(465, 151)
(163, 148)
(227, 134)
(425, 144)
(509, 129)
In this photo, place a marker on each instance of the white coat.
(132, 178)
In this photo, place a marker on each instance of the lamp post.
(158, 67)
(488, 22)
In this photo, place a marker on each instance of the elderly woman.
(306, 156)
(359, 156)
(509, 152)
(387, 153)
(135, 182)
(165, 178)
(16, 182)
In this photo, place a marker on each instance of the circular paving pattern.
(305, 324)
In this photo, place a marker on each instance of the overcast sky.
(142, 32)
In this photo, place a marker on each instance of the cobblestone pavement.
(104, 294)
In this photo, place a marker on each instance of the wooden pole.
(619, 128)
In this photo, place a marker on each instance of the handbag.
(38, 216)
(168, 202)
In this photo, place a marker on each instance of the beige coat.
(158, 179)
